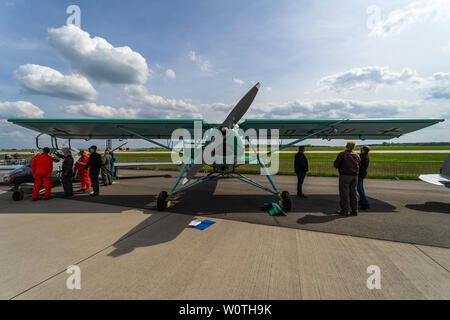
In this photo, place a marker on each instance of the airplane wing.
(372, 129)
(141, 164)
(442, 179)
(162, 128)
(108, 128)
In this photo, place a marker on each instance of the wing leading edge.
(343, 129)
(107, 128)
(162, 128)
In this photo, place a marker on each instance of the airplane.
(442, 179)
(21, 179)
(230, 130)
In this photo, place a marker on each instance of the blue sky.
(314, 59)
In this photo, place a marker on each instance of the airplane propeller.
(229, 123)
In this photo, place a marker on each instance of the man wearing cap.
(41, 168)
(348, 163)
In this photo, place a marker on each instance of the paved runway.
(127, 250)
(405, 211)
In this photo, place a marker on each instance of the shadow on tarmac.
(439, 207)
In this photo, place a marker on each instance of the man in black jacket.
(301, 168)
(364, 155)
(94, 165)
(67, 173)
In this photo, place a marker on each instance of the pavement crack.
(434, 260)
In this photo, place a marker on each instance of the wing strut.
(145, 138)
(331, 126)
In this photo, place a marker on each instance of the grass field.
(383, 165)
(400, 165)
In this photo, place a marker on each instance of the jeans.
(347, 193)
(93, 175)
(362, 194)
(300, 178)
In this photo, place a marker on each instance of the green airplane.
(230, 133)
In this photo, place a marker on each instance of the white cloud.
(201, 62)
(11, 133)
(170, 74)
(98, 59)
(19, 109)
(439, 86)
(418, 11)
(154, 106)
(238, 81)
(367, 78)
(345, 108)
(435, 87)
(99, 111)
(47, 81)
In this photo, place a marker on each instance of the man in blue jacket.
(364, 155)
(114, 158)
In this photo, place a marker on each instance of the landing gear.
(287, 201)
(17, 195)
(162, 201)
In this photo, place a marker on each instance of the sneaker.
(37, 199)
(354, 213)
(342, 213)
(49, 198)
(302, 196)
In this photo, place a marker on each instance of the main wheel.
(287, 201)
(161, 203)
(17, 195)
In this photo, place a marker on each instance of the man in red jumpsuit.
(83, 172)
(41, 167)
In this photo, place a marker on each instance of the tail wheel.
(17, 195)
(161, 203)
(287, 201)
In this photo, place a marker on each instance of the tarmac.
(127, 250)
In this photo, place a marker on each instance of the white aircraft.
(442, 179)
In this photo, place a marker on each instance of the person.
(67, 173)
(106, 168)
(301, 168)
(364, 155)
(114, 159)
(348, 163)
(41, 168)
(83, 172)
(94, 164)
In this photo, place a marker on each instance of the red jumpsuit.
(83, 173)
(41, 167)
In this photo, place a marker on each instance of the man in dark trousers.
(348, 163)
(94, 165)
(364, 155)
(301, 168)
(67, 173)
